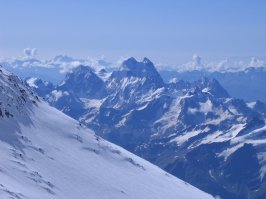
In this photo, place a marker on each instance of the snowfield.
(46, 154)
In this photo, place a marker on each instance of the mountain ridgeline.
(247, 84)
(194, 130)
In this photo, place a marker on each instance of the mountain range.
(246, 84)
(242, 79)
(46, 154)
(193, 129)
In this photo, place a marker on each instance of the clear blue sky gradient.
(165, 30)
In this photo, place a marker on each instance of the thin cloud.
(197, 60)
(66, 64)
(30, 52)
(254, 62)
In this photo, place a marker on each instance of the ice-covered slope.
(46, 154)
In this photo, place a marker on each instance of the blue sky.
(164, 30)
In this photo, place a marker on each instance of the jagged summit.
(84, 82)
(142, 70)
(82, 70)
(146, 61)
(212, 86)
(129, 61)
(205, 85)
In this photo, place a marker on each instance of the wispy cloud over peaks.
(256, 63)
(66, 67)
(197, 60)
(66, 63)
(225, 65)
(30, 53)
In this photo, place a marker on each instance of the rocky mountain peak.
(212, 86)
(84, 82)
(139, 69)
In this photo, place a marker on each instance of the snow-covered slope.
(46, 154)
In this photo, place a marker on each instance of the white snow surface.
(46, 154)
(31, 82)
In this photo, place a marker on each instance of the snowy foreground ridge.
(46, 154)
